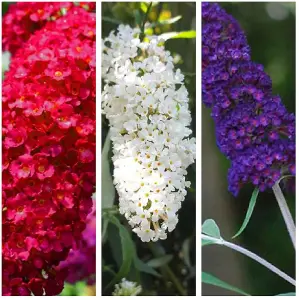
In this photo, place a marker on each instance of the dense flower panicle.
(253, 128)
(48, 124)
(146, 104)
(81, 262)
(127, 288)
(24, 18)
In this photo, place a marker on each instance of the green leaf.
(110, 20)
(170, 21)
(287, 294)
(212, 280)
(108, 190)
(178, 35)
(186, 252)
(251, 206)
(127, 252)
(160, 261)
(138, 17)
(105, 222)
(210, 228)
(143, 7)
(166, 22)
(143, 267)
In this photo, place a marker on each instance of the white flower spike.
(146, 103)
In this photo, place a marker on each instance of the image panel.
(48, 148)
(248, 149)
(148, 103)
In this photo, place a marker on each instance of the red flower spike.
(48, 118)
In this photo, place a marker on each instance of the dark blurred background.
(181, 242)
(270, 29)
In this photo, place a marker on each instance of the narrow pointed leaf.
(160, 261)
(212, 280)
(108, 190)
(251, 206)
(191, 34)
(127, 252)
(168, 21)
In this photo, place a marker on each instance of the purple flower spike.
(253, 128)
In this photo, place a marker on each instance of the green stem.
(144, 21)
(167, 270)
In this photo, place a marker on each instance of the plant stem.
(142, 35)
(167, 270)
(286, 214)
(252, 256)
(145, 16)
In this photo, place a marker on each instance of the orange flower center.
(58, 74)
(41, 168)
(26, 169)
(60, 196)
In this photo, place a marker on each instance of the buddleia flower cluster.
(146, 103)
(24, 18)
(253, 128)
(127, 288)
(81, 261)
(48, 152)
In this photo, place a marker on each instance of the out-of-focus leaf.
(138, 17)
(166, 22)
(160, 261)
(143, 267)
(186, 252)
(211, 279)
(108, 269)
(210, 228)
(249, 212)
(191, 34)
(110, 20)
(287, 294)
(127, 252)
(108, 190)
(143, 7)
(113, 238)
(105, 222)
(169, 21)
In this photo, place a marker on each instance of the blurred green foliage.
(270, 30)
